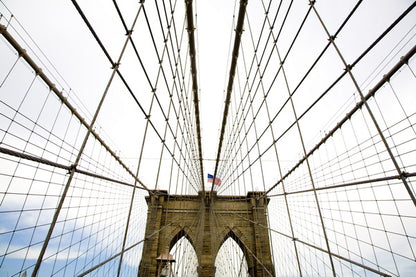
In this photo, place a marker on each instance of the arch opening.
(231, 257)
(182, 249)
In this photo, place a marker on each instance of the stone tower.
(207, 221)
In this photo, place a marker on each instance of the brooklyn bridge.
(207, 138)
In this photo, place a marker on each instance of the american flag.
(211, 178)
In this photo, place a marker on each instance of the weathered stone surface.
(207, 222)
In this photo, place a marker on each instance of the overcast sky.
(63, 37)
(84, 72)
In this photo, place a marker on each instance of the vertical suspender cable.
(192, 54)
(236, 48)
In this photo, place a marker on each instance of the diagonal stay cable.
(63, 99)
(179, 70)
(275, 39)
(127, 224)
(358, 106)
(65, 167)
(154, 96)
(124, 80)
(246, 88)
(333, 84)
(366, 105)
(79, 156)
(161, 70)
(167, 224)
(174, 65)
(160, 57)
(243, 104)
(317, 247)
(257, 72)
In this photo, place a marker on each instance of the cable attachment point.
(404, 59)
(331, 38)
(2, 28)
(404, 174)
(22, 53)
(72, 168)
(348, 68)
(115, 66)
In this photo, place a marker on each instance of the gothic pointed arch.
(241, 240)
(183, 249)
(178, 236)
(237, 236)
